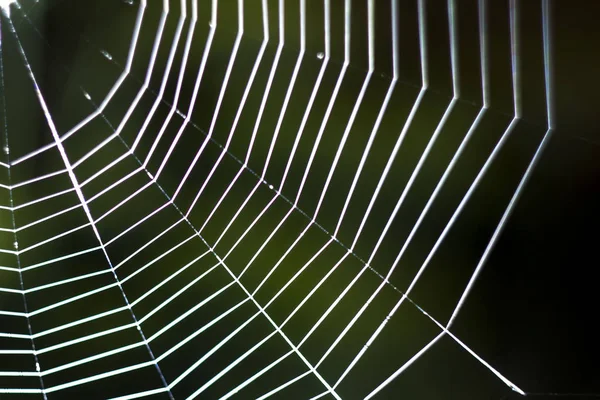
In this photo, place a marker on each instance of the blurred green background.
(521, 316)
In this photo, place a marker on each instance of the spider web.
(249, 218)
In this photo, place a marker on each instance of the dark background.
(532, 312)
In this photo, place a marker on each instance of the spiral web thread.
(131, 277)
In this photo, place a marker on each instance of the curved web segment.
(246, 221)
